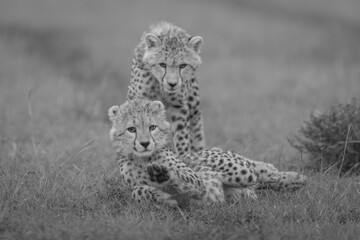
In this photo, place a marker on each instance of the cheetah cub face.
(139, 127)
(173, 56)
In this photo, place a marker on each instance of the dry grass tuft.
(332, 139)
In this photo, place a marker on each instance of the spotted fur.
(164, 66)
(235, 172)
(234, 168)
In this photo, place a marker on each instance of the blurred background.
(266, 65)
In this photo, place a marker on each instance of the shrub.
(332, 139)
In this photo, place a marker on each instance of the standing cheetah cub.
(163, 68)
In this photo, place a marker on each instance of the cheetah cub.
(139, 135)
(163, 68)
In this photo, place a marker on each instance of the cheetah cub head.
(139, 127)
(172, 55)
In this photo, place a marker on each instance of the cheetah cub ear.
(195, 43)
(152, 41)
(114, 113)
(157, 107)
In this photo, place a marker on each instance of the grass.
(64, 63)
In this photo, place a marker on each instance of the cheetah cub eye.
(152, 127)
(132, 129)
(181, 66)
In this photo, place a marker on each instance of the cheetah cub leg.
(239, 176)
(213, 185)
(239, 182)
(158, 174)
(161, 175)
(289, 181)
(144, 193)
(236, 194)
(177, 183)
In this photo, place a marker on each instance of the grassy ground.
(267, 64)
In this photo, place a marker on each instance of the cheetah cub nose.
(144, 144)
(172, 84)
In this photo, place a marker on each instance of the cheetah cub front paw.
(158, 173)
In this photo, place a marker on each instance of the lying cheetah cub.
(139, 135)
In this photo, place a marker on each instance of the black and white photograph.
(169, 119)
